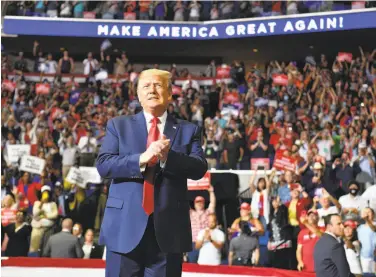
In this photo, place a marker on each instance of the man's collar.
(334, 236)
(149, 117)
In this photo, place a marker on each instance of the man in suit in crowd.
(329, 253)
(64, 244)
(149, 157)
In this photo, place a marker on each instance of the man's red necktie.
(148, 197)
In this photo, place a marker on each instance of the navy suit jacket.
(124, 219)
(330, 258)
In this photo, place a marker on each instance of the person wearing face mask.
(352, 203)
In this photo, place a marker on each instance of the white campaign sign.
(83, 175)
(91, 174)
(75, 177)
(16, 151)
(32, 164)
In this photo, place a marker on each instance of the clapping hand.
(207, 235)
(157, 149)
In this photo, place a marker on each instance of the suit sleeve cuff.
(162, 164)
(142, 167)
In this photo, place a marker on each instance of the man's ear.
(169, 95)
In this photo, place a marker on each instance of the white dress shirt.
(350, 202)
(161, 125)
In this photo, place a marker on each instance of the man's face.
(19, 217)
(313, 219)
(345, 157)
(153, 92)
(288, 177)
(212, 222)
(244, 212)
(336, 226)
(199, 205)
(325, 202)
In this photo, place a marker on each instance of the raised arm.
(252, 186)
(213, 200)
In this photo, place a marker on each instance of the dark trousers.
(146, 260)
(295, 233)
(281, 258)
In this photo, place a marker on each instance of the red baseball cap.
(312, 211)
(245, 206)
(351, 223)
(199, 199)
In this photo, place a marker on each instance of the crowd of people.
(321, 119)
(175, 10)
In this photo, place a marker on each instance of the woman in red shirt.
(27, 189)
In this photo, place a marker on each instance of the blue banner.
(225, 29)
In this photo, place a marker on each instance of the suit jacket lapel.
(171, 128)
(141, 132)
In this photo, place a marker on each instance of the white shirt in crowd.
(68, 153)
(324, 212)
(190, 84)
(350, 202)
(195, 10)
(209, 254)
(87, 63)
(325, 149)
(66, 9)
(50, 67)
(353, 258)
(86, 248)
(369, 196)
(83, 144)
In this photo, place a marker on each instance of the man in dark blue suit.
(149, 157)
(329, 253)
